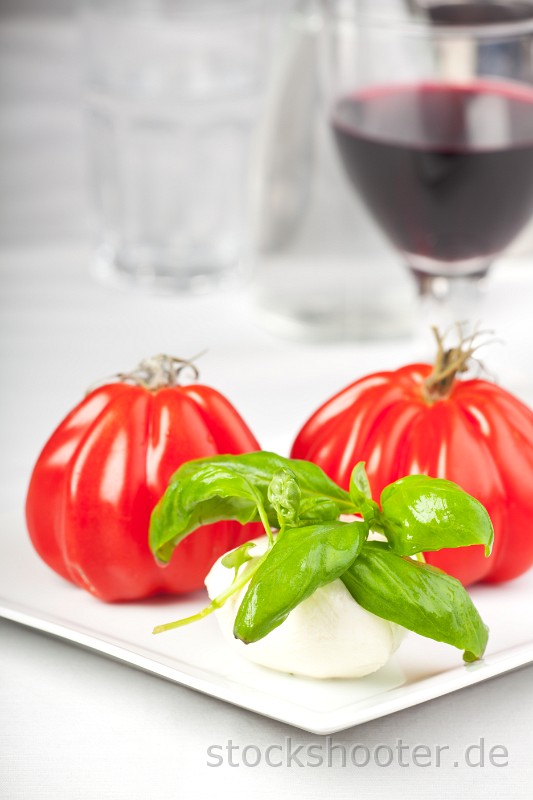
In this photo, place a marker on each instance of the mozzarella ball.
(328, 635)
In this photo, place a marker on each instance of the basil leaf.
(315, 486)
(284, 495)
(419, 597)
(314, 509)
(359, 484)
(301, 560)
(423, 514)
(201, 492)
(361, 494)
(228, 487)
(236, 558)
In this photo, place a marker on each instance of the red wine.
(447, 170)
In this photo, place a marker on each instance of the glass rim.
(421, 27)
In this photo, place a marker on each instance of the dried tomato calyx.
(159, 371)
(156, 372)
(449, 363)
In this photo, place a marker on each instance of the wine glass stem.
(448, 300)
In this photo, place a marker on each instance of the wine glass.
(432, 116)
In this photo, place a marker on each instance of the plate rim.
(322, 722)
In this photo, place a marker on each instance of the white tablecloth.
(75, 725)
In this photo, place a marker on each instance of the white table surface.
(73, 724)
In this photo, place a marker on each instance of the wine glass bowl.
(433, 122)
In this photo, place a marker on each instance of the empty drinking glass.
(173, 88)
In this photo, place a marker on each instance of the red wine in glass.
(446, 169)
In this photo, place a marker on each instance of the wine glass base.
(461, 268)
(450, 300)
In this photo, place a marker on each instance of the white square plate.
(198, 657)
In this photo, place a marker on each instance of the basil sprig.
(313, 547)
(209, 490)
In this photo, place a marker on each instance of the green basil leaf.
(236, 558)
(419, 597)
(301, 560)
(359, 485)
(423, 514)
(314, 510)
(316, 487)
(201, 492)
(284, 495)
(361, 494)
(228, 487)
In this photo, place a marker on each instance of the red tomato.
(475, 434)
(103, 470)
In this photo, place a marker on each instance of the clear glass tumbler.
(173, 88)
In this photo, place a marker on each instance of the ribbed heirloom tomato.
(103, 470)
(423, 419)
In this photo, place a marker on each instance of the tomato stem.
(449, 363)
(156, 372)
